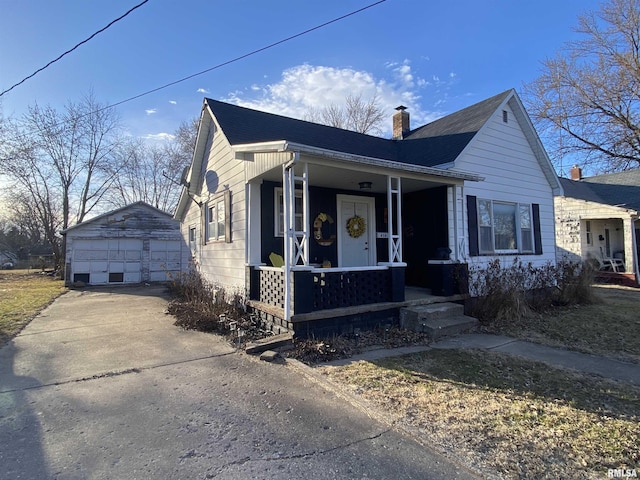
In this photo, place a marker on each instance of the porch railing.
(326, 288)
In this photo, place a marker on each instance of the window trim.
(223, 199)
(481, 250)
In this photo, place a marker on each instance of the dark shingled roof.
(628, 177)
(436, 143)
(617, 189)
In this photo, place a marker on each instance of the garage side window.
(218, 219)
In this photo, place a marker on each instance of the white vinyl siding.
(501, 153)
(221, 261)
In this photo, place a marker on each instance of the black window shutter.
(472, 219)
(227, 216)
(537, 233)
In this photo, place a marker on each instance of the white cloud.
(158, 137)
(173, 102)
(203, 90)
(306, 87)
(151, 111)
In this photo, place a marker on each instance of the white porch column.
(634, 246)
(455, 215)
(296, 242)
(394, 219)
(629, 234)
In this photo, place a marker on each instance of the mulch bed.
(228, 322)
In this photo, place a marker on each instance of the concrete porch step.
(282, 341)
(449, 326)
(437, 320)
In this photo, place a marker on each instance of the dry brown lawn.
(513, 417)
(23, 295)
(610, 326)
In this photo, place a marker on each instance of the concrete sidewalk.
(555, 357)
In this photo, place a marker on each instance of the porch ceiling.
(348, 179)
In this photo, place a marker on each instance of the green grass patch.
(22, 296)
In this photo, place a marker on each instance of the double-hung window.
(279, 212)
(217, 218)
(504, 227)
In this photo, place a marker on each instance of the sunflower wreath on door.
(356, 226)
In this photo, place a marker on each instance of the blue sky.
(435, 56)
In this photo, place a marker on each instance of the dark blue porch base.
(327, 323)
(333, 326)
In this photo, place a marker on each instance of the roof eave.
(382, 163)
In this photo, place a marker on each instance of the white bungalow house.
(317, 224)
(597, 219)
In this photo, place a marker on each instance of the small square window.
(81, 277)
(116, 277)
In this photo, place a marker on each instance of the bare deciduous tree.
(587, 100)
(185, 139)
(151, 173)
(31, 197)
(59, 163)
(356, 114)
(148, 173)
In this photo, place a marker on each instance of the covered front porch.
(347, 235)
(335, 312)
(612, 242)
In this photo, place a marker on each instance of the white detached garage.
(133, 244)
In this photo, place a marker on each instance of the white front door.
(356, 231)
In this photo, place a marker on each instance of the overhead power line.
(233, 60)
(254, 52)
(72, 49)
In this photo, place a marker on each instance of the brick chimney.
(576, 173)
(400, 123)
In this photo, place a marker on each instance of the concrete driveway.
(102, 385)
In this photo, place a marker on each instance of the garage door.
(164, 258)
(100, 262)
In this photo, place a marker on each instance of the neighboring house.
(133, 244)
(597, 217)
(379, 214)
(8, 259)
